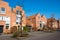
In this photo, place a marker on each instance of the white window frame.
(0, 17)
(8, 27)
(7, 19)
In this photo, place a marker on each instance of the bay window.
(18, 16)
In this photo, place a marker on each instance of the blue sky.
(45, 7)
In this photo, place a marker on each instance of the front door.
(1, 28)
(40, 25)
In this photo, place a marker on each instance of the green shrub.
(16, 34)
(25, 29)
(23, 33)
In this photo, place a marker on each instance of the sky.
(44, 7)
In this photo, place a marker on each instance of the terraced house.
(36, 22)
(9, 17)
(52, 23)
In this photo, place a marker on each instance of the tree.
(52, 20)
(22, 5)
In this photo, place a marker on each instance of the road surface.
(35, 36)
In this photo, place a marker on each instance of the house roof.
(33, 16)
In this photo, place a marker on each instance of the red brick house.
(36, 21)
(52, 23)
(9, 17)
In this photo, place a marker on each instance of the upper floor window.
(18, 12)
(2, 10)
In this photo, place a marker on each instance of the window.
(17, 22)
(18, 12)
(2, 10)
(7, 19)
(0, 17)
(17, 18)
(7, 26)
(40, 25)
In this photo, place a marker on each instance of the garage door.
(1, 28)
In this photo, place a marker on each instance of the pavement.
(40, 35)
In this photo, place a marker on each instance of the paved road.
(35, 36)
(44, 36)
